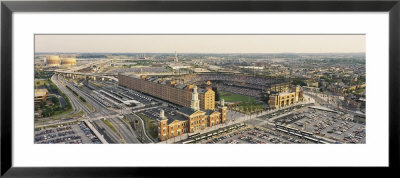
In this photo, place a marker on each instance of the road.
(141, 129)
(75, 102)
(124, 129)
(77, 106)
(127, 134)
(109, 135)
(99, 110)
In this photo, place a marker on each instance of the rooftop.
(178, 117)
(40, 92)
(186, 110)
(208, 112)
(180, 86)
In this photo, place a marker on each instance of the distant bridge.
(72, 73)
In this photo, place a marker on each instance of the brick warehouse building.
(168, 90)
(198, 111)
(190, 120)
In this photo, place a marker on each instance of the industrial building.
(68, 60)
(65, 60)
(52, 60)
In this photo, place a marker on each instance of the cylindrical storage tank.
(52, 60)
(68, 61)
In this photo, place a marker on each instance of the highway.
(125, 132)
(75, 102)
(99, 110)
(124, 129)
(109, 135)
(77, 68)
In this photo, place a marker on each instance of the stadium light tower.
(176, 57)
(254, 70)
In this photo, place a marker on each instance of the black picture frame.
(8, 7)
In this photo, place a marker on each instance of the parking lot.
(255, 135)
(154, 113)
(333, 125)
(76, 133)
(283, 111)
(303, 126)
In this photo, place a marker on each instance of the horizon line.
(208, 52)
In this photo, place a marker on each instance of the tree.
(54, 100)
(42, 104)
(299, 82)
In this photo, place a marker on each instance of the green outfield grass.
(247, 104)
(232, 97)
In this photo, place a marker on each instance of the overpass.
(98, 63)
(85, 76)
(73, 72)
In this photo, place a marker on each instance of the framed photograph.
(109, 89)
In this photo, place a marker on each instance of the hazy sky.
(200, 43)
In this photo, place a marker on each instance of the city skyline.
(220, 89)
(200, 43)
